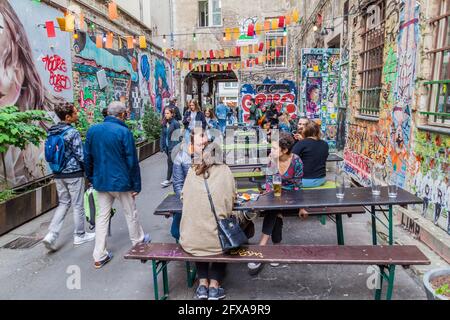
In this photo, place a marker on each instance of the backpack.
(55, 149)
(92, 208)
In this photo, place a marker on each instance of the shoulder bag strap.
(211, 201)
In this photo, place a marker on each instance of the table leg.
(155, 279)
(374, 226)
(339, 230)
(165, 280)
(391, 226)
(390, 289)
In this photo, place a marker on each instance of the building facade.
(395, 70)
(274, 80)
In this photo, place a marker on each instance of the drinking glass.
(277, 185)
(340, 185)
(375, 177)
(392, 187)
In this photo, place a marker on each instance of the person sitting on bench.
(290, 167)
(198, 228)
(314, 153)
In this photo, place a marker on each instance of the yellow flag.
(70, 23)
(274, 24)
(258, 28)
(295, 16)
(142, 42)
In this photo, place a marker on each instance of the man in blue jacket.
(112, 167)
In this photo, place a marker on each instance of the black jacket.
(199, 118)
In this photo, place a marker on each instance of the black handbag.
(230, 233)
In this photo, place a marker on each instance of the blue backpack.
(55, 151)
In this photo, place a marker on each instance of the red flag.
(208, 68)
(181, 54)
(238, 51)
(278, 53)
(50, 26)
(211, 54)
(229, 66)
(256, 61)
(281, 22)
(248, 63)
(261, 46)
(251, 30)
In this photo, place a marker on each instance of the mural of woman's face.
(314, 95)
(11, 75)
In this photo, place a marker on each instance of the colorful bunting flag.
(70, 23)
(130, 42)
(109, 40)
(99, 41)
(142, 42)
(112, 10)
(50, 27)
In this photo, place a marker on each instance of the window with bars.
(371, 58)
(439, 98)
(276, 50)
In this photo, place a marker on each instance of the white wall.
(133, 8)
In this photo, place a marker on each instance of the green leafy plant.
(151, 123)
(6, 194)
(443, 290)
(18, 129)
(135, 127)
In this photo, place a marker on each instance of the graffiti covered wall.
(35, 73)
(283, 94)
(417, 159)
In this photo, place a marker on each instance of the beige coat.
(198, 227)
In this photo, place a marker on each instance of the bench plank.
(289, 254)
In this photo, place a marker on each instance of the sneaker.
(216, 293)
(275, 264)
(86, 237)
(202, 292)
(147, 239)
(100, 264)
(166, 183)
(254, 268)
(50, 242)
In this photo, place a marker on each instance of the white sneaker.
(86, 237)
(166, 183)
(49, 241)
(275, 264)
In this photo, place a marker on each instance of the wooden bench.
(385, 257)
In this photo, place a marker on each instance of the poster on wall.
(35, 74)
(320, 90)
(283, 94)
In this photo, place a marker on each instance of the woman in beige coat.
(198, 228)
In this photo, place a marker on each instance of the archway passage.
(203, 85)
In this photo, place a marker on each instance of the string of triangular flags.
(75, 24)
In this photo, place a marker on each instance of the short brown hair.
(286, 141)
(64, 110)
(312, 129)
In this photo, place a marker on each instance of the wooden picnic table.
(319, 198)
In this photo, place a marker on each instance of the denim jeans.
(313, 183)
(70, 193)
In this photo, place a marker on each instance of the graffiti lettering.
(54, 65)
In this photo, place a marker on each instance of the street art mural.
(320, 89)
(35, 73)
(343, 99)
(284, 94)
(430, 172)
(121, 76)
(162, 89)
(408, 39)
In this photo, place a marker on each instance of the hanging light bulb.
(164, 38)
(195, 37)
(315, 28)
(224, 36)
(104, 37)
(285, 31)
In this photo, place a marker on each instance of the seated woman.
(290, 168)
(314, 153)
(198, 228)
(181, 165)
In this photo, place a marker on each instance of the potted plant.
(437, 284)
(151, 124)
(18, 129)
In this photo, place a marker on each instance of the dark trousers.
(211, 271)
(169, 165)
(273, 225)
